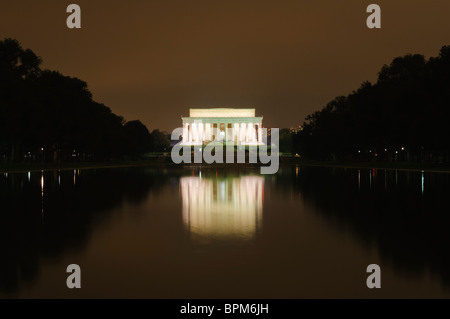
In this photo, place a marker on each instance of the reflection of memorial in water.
(222, 207)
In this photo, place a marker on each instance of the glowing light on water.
(42, 184)
(29, 176)
(423, 182)
(222, 207)
(359, 179)
(42, 195)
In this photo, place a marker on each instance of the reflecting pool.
(305, 232)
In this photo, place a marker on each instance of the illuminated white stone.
(222, 112)
(229, 125)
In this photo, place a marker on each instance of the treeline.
(46, 116)
(404, 116)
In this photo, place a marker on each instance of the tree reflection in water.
(405, 213)
(46, 215)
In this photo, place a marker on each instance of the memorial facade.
(225, 125)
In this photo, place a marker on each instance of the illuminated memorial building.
(237, 126)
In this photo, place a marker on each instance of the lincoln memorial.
(237, 126)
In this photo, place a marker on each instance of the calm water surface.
(188, 233)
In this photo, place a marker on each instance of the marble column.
(194, 132)
(259, 133)
(250, 132)
(207, 135)
(189, 134)
(185, 132)
(200, 133)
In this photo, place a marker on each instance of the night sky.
(153, 60)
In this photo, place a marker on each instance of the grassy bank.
(33, 167)
(167, 162)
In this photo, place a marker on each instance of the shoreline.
(400, 166)
(393, 166)
(44, 167)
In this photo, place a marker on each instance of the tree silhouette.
(160, 141)
(138, 137)
(403, 116)
(47, 116)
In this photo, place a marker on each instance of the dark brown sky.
(153, 60)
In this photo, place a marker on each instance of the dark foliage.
(46, 116)
(403, 116)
